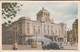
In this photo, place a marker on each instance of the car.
(51, 46)
(61, 46)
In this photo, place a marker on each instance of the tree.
(9, 10)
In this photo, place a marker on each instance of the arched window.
(28, 30)
(34, 30)
(44, 31)
(28, 24)
(39, 31)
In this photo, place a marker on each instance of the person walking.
(42, 42)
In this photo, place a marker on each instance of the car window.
(54, 43)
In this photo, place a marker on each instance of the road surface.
(39, 47)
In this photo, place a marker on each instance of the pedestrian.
(71, 43)
(42, 42)
(15, 47)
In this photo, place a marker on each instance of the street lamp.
(22, 39)
(53, 36)
(15, 43)
(36, 39)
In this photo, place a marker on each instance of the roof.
(43, 10)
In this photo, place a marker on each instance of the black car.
(51, 46)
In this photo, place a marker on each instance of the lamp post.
(36, 39)
(53, 36)
(15, 43)
(22, 39)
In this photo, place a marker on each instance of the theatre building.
(25, 28)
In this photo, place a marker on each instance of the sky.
(65, 12)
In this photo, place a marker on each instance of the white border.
(41, 50)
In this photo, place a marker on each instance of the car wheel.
(47, 49)
(43, 48)
(58, 49)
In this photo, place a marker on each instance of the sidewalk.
(39, 47)
(69, 47)
(21, 47)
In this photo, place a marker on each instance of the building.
(75, 31)
(25, 28)
(69, 36)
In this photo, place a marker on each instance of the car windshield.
(54, 43)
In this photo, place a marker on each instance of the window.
(20, 28)
(39, 31)
(52, 32)
(28, 24)
(44, 26)
(56, 32)
(48, 26)
(28, 30)
(34, 30)
(16, 33)
(44, 31)
(46, 14)
(59, 32)
(48, 31)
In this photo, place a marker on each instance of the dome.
(43, 10)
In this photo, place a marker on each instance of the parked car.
(61, 46)
(51, 46)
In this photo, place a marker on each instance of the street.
(21, 47)
(39, 47)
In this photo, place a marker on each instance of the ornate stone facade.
(25, 28)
